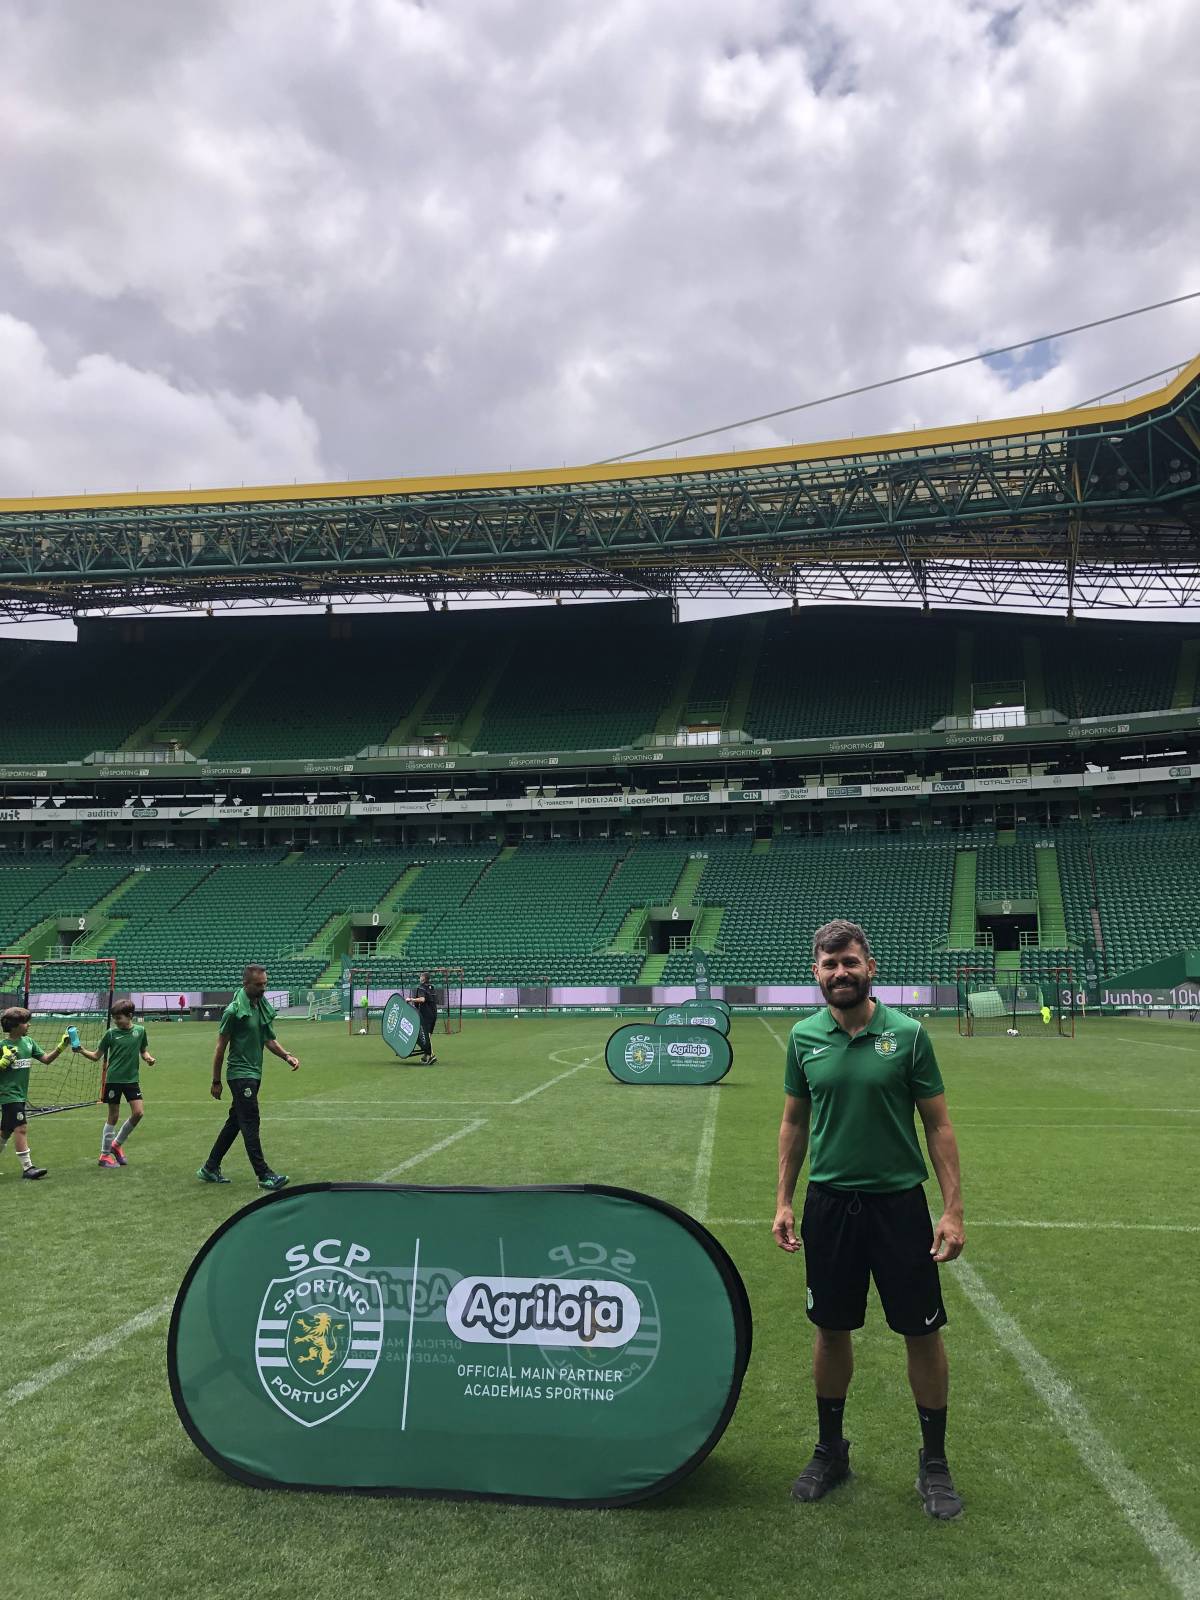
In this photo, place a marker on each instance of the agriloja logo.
(593, 1312)
(692, 1049)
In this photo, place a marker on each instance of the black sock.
(829, 1419)
(933, 1432)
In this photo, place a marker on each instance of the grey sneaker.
(829, 1466)
(937, 1491)
(207, 1175)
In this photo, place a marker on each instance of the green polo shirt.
(123, 1048)
(247, 1029)
(864, 1092)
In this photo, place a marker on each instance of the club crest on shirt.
(886, 1045)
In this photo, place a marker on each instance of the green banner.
(576, 1344)
(401, 1025)
(721, 1005)
(694, 1014)
(649, 1053)
(700, 976)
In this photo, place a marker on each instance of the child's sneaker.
(118, 1155)
(107, 1160)
(35, 1172)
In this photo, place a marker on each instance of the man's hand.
(784, 1229)
(149, 1060)
(215, 1089)
(293, 1062)
(948, 1238)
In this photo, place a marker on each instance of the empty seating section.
(32, 893)
(1104, 672)
(75, 699)
(898, 889)
(866, 675)
(530, 917)
(1146, 883)
(599, 685)
(551, 911)
(997, 655)
(310, 703)
(645, 877)
(1006, 872)
(717, 671)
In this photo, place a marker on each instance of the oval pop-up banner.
(578, 1345)
(694, 1014)
(401, 1025)
(647, 1053)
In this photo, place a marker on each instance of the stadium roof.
(1083, 508)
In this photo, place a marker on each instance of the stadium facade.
(580, 800)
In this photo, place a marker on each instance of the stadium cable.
(904, 377)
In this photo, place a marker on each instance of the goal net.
(63, 993)
(1029, 1010)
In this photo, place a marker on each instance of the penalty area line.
(1177, 1558)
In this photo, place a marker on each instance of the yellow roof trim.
(879, 444)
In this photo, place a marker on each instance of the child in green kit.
(16, 1054)
(123, 1049)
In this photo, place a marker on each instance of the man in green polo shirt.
(856, 1073)
(247, 1029)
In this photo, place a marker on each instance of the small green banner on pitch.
(578, 1345)
(694, 1014)
(401, 1025)
(648, 1053)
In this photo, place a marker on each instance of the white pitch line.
(88, 1352)
(570, 1072)
(782, 1043)
(423, 1155)
(704, 1157)
(1176, 1556)
(1159, 1044)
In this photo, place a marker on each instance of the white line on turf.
(88, 1352)
(1149, 1519)
(433, 1150)
(782, 1043)
(521, 1098)
(1161, 1044)
(704, 1156)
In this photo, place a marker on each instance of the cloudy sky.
(321, 239)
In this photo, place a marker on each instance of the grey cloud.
(407, 238)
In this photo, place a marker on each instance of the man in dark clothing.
(424, 998)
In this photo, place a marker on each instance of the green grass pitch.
(1074, 1414)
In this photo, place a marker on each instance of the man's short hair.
(836, 935)
(13, 1017)
(425, 977)
(123, 1008)
(250, 969)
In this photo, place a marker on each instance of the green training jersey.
(14, 1080)
(247, 1029)
(864, 1092)
(123, 1047)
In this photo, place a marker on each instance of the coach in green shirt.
(247, 1029)
(856, 1073)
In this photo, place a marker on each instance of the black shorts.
(12, 1115)
(114, 1091)
(851, 1237)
